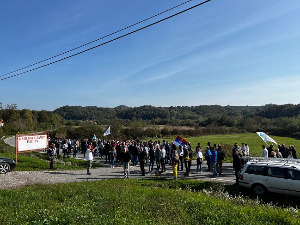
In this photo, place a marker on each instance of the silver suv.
(279, 175)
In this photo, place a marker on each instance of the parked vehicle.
(6, 165)
(279, 175)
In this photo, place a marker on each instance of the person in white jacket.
(89, 158)
(264, 152)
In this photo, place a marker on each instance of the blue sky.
(223, 52)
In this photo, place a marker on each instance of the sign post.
(31, 142)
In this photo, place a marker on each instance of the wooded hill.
(150, 121)
(277, 119)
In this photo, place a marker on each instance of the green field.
(137, 202)
(227, 141)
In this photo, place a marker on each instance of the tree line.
(26, 121)
(149, 121)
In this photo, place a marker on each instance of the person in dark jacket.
(135, 153)
(107, 149)
(237, 165)
(152, 158)
(142, 158)
(126, 157)
(220, 158)
(187, 157)
(51, 153)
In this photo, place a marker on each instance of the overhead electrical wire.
(114, 39)
(88, 43)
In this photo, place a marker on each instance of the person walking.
(51, 153)
(135, 153)
(237, 165)
(89, 158)
(163, 158)
(157, 157)
(126, 157)
(152, 158)
(175, 160)
(180, 154)
(75, 149)
(113, 155)
(220, 158)
(187, 156)
(142, 157)
(207, 157)
(213, 161)
(199, 160)
(65, 149)
(107, 148)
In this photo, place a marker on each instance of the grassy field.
(227, 141)
(137, 202)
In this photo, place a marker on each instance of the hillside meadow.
(137, 202)
(227, 141)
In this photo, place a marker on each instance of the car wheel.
(4, 167)
(259, 189)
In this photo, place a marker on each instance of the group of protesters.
(158, 154)
(280, 152)
(155, 154)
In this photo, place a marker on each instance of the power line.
(142, 28)
(88, 43)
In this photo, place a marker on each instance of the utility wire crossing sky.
(223, 52)
(99, 45)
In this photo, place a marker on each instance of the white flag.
(265, 137)
(107, 132)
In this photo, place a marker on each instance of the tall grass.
(135, 202)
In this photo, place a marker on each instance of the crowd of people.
(156, 155)
(280, 152)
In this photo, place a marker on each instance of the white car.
(279, 175)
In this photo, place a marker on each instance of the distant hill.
(151, 113)
(165, 115)
(122, 107)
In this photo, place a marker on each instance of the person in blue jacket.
(207, 156)
(213, 161)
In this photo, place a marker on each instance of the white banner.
(32, 142)
(266, 137)
(107, 132)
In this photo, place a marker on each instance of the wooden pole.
(16, 143)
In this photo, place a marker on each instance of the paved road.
(11, 141)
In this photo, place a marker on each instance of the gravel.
(16, 179)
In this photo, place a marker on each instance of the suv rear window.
(257, 170)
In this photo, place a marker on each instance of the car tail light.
(241, 176)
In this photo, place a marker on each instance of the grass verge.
(36, 161)
(137, 202)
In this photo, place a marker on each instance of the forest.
(149, 121)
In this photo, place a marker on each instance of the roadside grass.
(36, 161)
(137, 202)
